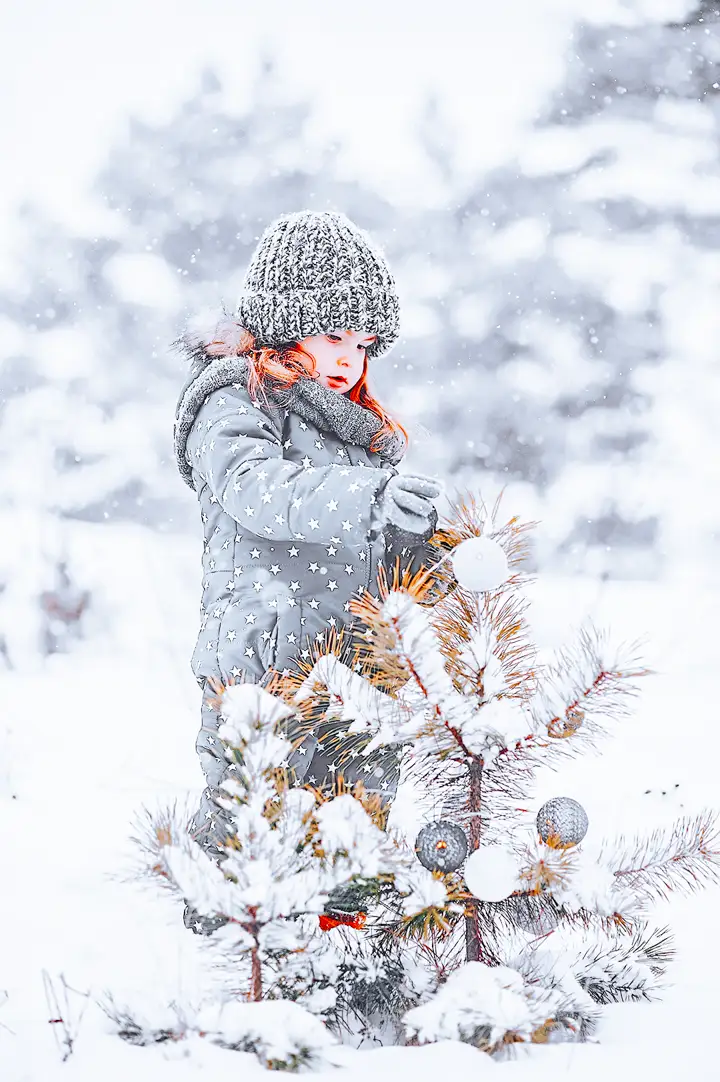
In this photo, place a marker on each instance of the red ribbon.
(350, 920)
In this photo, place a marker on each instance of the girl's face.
(339, 357)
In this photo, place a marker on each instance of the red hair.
(281, 368)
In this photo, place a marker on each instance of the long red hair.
(281, 368)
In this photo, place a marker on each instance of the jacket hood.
(326, 409)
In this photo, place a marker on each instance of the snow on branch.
(628, 968)
(354, 699)
(485, 1006)
(595, 968)
(586, 683)
(281, 1035)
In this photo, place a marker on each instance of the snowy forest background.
(557, 257)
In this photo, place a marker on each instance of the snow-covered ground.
(96, 736)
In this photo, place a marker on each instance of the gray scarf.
(326, 409)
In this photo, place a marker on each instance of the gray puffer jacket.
(285, 489)
(285, 497)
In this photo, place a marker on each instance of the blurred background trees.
(560, 315)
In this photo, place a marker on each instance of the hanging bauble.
(562, 822)
(480, 564)
(441, 846)
(492, 873)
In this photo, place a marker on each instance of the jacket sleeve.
(236, 447)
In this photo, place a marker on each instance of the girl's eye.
(334, 338)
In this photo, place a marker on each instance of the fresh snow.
(97, 735)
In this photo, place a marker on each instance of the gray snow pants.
(318, 761)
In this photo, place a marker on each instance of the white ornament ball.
(492, 873)
(480, 564)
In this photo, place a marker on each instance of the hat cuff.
(277, 318)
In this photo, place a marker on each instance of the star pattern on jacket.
(286, 515)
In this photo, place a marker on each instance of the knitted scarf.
(328, 410)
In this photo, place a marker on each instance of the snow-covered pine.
(460, 686)
(281, 1034)
(289, 851)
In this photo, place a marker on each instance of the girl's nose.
(342, 363)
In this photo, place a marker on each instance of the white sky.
(72, 71)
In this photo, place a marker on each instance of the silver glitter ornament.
(441, 846)
(562, 822)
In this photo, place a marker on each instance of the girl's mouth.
(337, 380)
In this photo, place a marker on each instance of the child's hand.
(406, 502)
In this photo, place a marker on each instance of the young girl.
(293, 462)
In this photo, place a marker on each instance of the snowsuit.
(285, 494)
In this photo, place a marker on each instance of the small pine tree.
(495, 925)
(538, 931)
(291, 854)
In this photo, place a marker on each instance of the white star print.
(314, 524)
(275, 569)
(293, 551)
(314, 604)
(249, 511)
(332, 505)
(231, 635)
(349, 569)
(313, 567)
(332, 585)
(255, 554)
(307, 462)
(292, 637)
(294, 586)
(347, 525)
(331, 550)
(250, 618)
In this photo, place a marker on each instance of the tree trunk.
(473, 941)
(255, 966)
(255, 976)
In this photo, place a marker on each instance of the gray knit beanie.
(313, 272)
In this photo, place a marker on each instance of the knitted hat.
(313, 272)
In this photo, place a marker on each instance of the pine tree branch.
(585, 684)
(626, 971)
(685, 859)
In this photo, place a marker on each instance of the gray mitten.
(405, 502)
